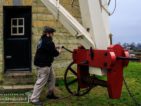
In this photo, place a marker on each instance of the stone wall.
(1, 37)
(41, 17)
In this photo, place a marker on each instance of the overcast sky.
(125, 23)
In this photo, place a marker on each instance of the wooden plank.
(70, 23)
(96, 19)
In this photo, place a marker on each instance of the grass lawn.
(98, 96)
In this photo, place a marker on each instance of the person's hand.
(59, 48)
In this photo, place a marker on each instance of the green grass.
(98, 96)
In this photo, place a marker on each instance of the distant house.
(137, 51)
(138, 48)
(134, 50)
(21, 23)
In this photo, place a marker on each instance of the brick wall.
(41, 17)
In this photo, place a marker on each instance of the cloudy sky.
(125, 23)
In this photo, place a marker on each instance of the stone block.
(8, 2)
(43, 23)
(65, 56)
(43, 17)
(37, 2)
(1, 9)
(18, 78)
(27, 2)
(68, 8)
(67, 2)
(42, 9)
(34, 17)
(37, 23)
(34, 10)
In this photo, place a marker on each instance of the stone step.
(17, 74)
(14, 78)
(16, 87)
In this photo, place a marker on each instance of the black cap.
(48, 29)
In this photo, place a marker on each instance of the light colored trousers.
(45, 76)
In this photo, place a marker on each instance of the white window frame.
(17, 26)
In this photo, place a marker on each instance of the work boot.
(52, 96)
(38, 103)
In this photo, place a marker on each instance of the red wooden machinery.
(94, 17)
(113, 60)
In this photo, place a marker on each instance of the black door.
(17, 38)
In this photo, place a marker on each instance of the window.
(17, 26)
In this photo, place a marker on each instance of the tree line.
(132, 46)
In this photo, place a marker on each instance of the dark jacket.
(46, 52)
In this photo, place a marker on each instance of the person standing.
(44, 57)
